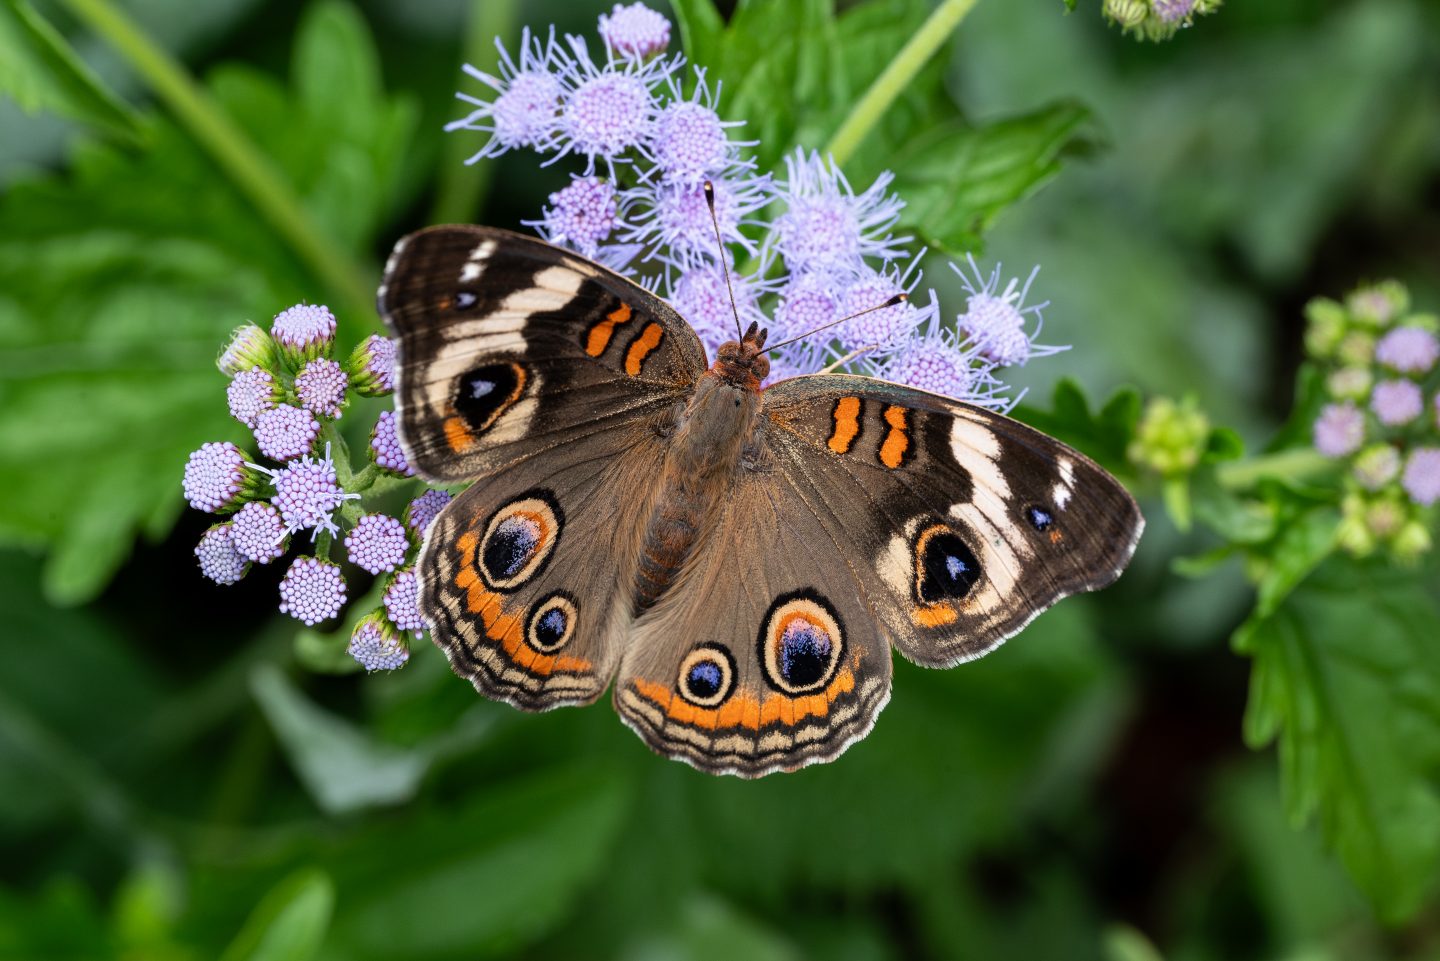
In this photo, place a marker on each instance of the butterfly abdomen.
(700, 469)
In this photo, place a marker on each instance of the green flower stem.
(1295, 464)
(339, 452)
(462, 189)
(896, 77)
(249, 169)
(362, 481)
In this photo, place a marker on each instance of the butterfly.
(736, 561)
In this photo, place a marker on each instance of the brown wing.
(763, 656)
(510, 346)
(965, 524)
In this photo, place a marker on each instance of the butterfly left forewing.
(509, 346)
(966, 523)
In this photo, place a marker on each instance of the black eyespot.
(511, 546)
(801, 643)
(464, 300)
(945, 568)
(483, 394)
(551, 623)
(519, 539)
(707, 675)
(1039, 518)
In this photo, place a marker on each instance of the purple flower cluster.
(287, 388)
(1382, 366)
(809, 249)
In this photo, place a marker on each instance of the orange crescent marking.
(847, 424)
(743, 710)
(457, 435)
(599, 337)
(643, 347)
(897, 442)
(506, 630)
(934, 615)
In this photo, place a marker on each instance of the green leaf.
(289, 924)
(343, 769)
(481, 880)
(40, 72)
(1105, 436)
(956, 178)
(1347, 676)
(120, 281)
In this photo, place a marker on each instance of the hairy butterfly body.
(735, 561)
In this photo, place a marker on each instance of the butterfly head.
(743, 362)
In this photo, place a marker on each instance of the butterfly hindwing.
(965, 522)
(509, 346)
(765, 655)
(541, 378)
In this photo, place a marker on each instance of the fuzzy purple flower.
(376, 646)
(385, 446)
(250, 394)
(701, 298)
(635, 31)
(249, 347)
(807, 302)
(994, 320)
(1422, 476)
(372, 367)
(402, 602)
(880, 328)
(286, 432)
(609, 109)
(307, 494)
(218, 479)
(526, 110)
(258, 532)
(1409, 350)
(423, 510)
(580, 216)
(303, 332)
(676, 216)
(826, 225)
(312, 590)
(377, 543)
(219, 560)
(1396, 402)
(933, 360)
(1339, 430)
(689, 142)
(321, 386)
(1172, 11)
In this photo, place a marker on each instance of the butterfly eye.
(800, 643)
(945, 568)
(1039, 518)
(464, 300)
(707, 675)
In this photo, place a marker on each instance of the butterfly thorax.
(706, 453)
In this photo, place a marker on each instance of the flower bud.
(1379, 304)
(303, 333)
(372, 366)
(1353, 534)
(1411, 543)
(1350, 383)
(1377, 465)
(249, 347)
(1170, 437)
(1356, 349)
(1326, 327)
(376, 645)
(1126, 13)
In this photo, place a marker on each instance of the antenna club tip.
(710, 192)
(899, 298)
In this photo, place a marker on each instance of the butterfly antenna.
(899, 298)
(715, 222)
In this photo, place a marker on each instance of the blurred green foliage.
(176, 785)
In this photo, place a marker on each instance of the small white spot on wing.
(1066, 487)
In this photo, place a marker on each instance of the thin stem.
(896, 77)
(1300, 463)
(250, 170)
(462, 188)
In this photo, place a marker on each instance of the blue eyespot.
(704, 679)
(707, 675)
(519, 540)
(512, 545)
(804, 653)
(551, 623)
(1039, 518)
